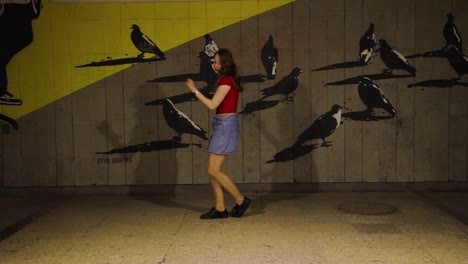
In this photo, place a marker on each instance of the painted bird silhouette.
(322, 127)
(285, 86)
(451, 34)
(180, 122)
(458, 61)
(210, 48)
(269, 57)
(144, 44)
(367, 45)
(207, 72)
(393, 59)
(372, 96)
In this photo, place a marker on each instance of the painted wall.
(95, 111)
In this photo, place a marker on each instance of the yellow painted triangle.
(70, 34)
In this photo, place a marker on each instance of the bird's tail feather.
(411, 69)
(390, 109)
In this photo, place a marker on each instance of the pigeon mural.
(452, 39)
(367, 45)
(458, 61)
(367, 48)
(322, 127)
(451, 34)
(453, 51)
(144, 44)
(180, 122)
(372, 96)
(206, 74)
(285, 86)
(269, 57)
(210, 48)
(394, 59)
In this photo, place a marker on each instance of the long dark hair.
(228, 68)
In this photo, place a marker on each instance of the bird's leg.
(387, 71)
(326, 143)
(177, 138)
(140, 56)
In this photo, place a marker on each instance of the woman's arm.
(218, 97)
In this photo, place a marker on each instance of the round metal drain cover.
(363, 208)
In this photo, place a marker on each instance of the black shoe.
(239, 210)
(213, 213)
(8, 99)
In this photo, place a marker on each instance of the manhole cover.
(367, 208)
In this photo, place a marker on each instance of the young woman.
(226, 133)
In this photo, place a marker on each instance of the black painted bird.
(367, 45)
(322, 127)
(144, 43)
(269, 58)
(210, 48)
(451, 34)
(372, 96)
(393, 59)
(207, 72)
(458, 61)
(180, 122)
(285, 86)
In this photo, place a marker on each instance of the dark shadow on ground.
(260, 203)
(167, 200)
(452, 203)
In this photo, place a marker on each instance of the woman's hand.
(191, 85)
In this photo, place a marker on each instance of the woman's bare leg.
(218, 194)
(215, 163)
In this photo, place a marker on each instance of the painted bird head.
(365, 80)
(335, 109)
(167, 104)
(383, 44)
(208, 38)
(135, 27)
(295, 72)
(370, 30)
(450, 17)
(270, 40)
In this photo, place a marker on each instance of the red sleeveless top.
(229, 104)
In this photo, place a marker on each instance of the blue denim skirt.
(226, 134)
